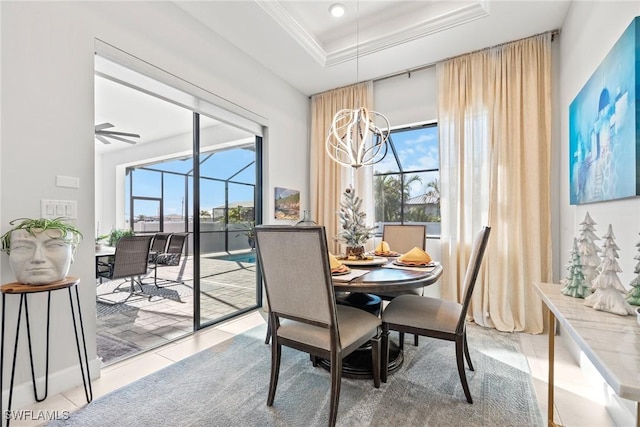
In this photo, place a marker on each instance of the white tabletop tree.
(574, 284)
(609, 293)
(634, 294)
(588, 250)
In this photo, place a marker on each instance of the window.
(406, 182)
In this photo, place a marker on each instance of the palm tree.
(390, 194)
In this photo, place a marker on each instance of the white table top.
(611, 342)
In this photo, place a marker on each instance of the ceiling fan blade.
(102, 139)
(128, 141)
(111, 132)
(102, 126)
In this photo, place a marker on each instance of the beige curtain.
(495, 135)
(328, 179)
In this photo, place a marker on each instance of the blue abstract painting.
(604, 126)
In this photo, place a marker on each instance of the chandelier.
(353, 138)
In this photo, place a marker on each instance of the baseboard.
(59, 382)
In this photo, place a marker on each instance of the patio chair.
(129, 261)
(158, 245)
(303, 310)
(171, 255)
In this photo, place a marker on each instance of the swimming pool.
(243, 257)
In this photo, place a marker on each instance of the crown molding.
(461, 15)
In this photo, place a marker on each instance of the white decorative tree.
(634, 294)
(609, 292)
(574, 284)
(588, 250)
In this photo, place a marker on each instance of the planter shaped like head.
(40, 258)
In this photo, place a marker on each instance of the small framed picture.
(287, 204)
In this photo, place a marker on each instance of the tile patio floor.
(128, 324)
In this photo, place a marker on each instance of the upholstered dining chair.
(129, 261)
(435, 317)
(402, 238)
(302, 306)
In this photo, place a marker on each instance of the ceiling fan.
(101, 134)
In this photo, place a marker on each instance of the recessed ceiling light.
(336, 10)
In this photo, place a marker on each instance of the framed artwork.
(604, 130)
(287, 203)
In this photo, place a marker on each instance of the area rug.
(227, 386)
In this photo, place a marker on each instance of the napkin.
(383, 247)
(415, 256)
(336, 266)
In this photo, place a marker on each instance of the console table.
(24, 291)
(611, 342)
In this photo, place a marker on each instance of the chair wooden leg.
(401, 341)
(384, 353)
(466, 351)
(268, 337)
(460, 361)
(275, 370)
(415, 340)
(336, 375)
(375, 360)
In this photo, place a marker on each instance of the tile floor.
(575, 402)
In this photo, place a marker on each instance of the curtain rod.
(553, 33)
(433, 64)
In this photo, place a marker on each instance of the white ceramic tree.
(574, 284)
(634, 294)
(608, 292)
(588, 250)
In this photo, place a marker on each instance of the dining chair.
(303, 313)
(435, 317)
(130, 261)
(402, 238)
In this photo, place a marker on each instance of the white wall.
(47, 118)
(589, 32)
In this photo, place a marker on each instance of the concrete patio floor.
(128, 324)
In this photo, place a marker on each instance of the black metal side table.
(23, 290)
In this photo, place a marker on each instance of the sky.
(417, 149)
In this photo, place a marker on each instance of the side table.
(23, 290)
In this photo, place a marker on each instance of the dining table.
(359, 288)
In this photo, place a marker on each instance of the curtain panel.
(328, 179)
(495, 138)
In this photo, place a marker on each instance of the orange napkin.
(415, 256)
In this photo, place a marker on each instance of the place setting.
(416, 259)
(342, 272)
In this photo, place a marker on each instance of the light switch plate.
(58, 208)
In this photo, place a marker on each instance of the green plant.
(117, 234)
(68, 232)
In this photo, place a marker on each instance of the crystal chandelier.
(353, 138)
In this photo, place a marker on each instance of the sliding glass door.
(227, 190)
